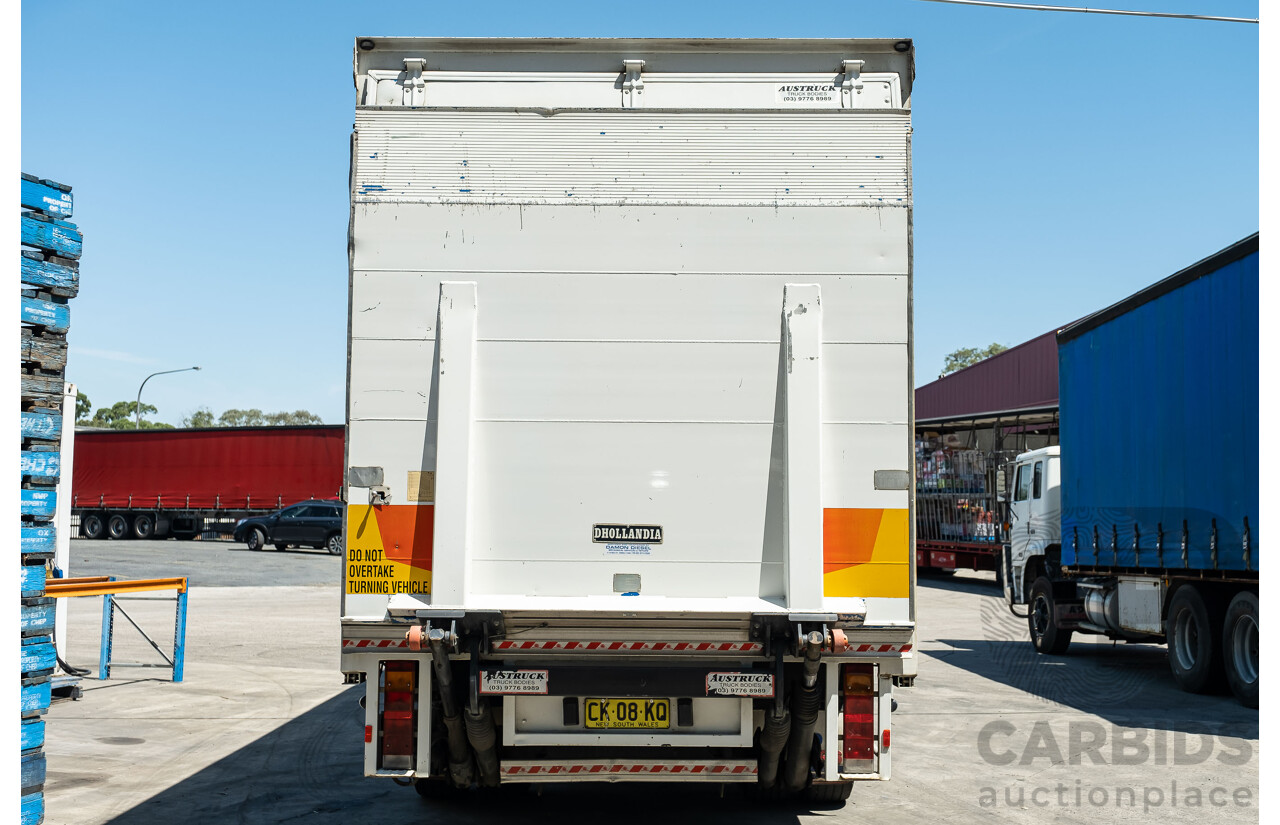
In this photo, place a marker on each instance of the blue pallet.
(36, 698)
(40, 503)
(37, 654)
(32, 734)
(32, 579)
(37, 616)
(32, 808)
(39, 272)
(38, 539)
(1159, 427)
(38, 464)
(41, 425)
(48, 196)
(33, 770)
(59, 237)
(47, 314)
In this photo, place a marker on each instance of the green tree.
(83, 407)
(295, 418)
(202, 417)
(121, 416)
(967, 357)
(257, 418)
(241, 418)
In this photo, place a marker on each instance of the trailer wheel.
(117, 527)
(334, 544)
(91, 526)
(1193, 630)
(828, 793)
(144, 527)
(1046, 636)
(256, 539)
(282, 547)
(1240, 647)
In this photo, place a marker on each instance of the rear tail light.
(858, 699)
(397, 717)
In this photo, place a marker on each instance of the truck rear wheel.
(828, 793)
(144, 527)
(1042, 620)
(1240, 647)
(1193, 630)
(117, 526)
(92, 527)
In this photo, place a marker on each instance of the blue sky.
(1062, 161)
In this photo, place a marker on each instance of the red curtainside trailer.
(187, 482)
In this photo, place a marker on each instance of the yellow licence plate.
(628, 713)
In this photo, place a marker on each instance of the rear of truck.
(629, 445)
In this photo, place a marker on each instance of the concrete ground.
(263, 731)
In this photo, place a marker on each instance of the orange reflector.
(858, 682)
(884, 741)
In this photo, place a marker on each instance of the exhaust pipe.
(485, 743)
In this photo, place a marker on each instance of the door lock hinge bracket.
(414, 85)
(851, 84)
(632, 83)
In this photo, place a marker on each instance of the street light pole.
(137, 406)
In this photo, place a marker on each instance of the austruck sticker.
(514, 681)
(739, 684)
(807, 94)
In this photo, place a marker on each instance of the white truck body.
(629, 387)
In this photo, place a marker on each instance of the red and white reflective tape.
(880, 648)
(644, 768)
(694, 647)
(352, 644)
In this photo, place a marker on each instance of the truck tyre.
(91, 526)
(144, 527)
(1240, 647)
(334, 544)
(1046, 636)
(256, 539)
(1193, 630)
(437, 789)
(117, 527)
(829, 793)
(281, 547)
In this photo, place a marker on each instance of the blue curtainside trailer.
(1143, 525)
(1159, 424)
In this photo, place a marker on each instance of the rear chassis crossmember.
(657, 658)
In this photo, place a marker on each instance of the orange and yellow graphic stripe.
(866, 552)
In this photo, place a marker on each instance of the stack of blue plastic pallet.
(50, 276)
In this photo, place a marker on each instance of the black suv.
(306, 524)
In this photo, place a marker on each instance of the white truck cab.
(1035, 519)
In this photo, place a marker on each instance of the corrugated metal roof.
(1024, 377)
